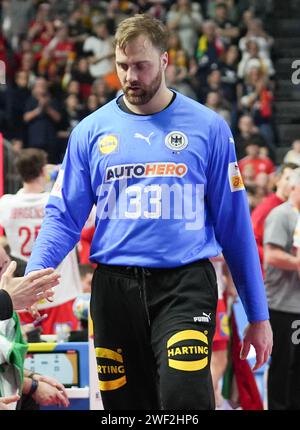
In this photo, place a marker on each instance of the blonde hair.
(130, 28)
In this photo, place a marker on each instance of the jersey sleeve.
(229, 209)
(68, 207)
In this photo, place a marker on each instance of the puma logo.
(146, 138)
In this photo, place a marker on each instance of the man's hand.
(29, 289)
(46, 395)
(259, 334)
(5, 401)
(53, 382)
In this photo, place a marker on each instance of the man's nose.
(131, 75)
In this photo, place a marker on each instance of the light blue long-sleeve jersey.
(167, 190)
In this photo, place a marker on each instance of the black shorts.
(153, 331)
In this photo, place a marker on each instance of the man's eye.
(141, 66)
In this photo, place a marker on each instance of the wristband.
(34, 387)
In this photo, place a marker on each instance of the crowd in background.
(59, 60)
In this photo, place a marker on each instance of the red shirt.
(259, 165)
(258, 217)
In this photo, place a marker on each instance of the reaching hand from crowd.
(26, 290)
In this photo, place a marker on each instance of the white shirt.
(100, 48)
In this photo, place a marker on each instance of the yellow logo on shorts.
(111, 370)
(187, 350)
(108, 144)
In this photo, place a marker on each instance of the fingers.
(244, 350)
(10, 270)
(34, 312)
(44, 283)
(259, 362)
(62, 400)
(39, 274)
(61, 388)
(9, 399)
(43, 289)
(54, 383)
(261, 358)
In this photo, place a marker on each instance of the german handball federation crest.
(176, 141)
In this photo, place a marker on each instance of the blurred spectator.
(100, 49)
(257, 99)
(40, 30)
(42, 117)
(246, 130)
(209, 51)
(86, 275)
(16, 16)
(246, 16)
(253, 59)
(28, 65)
(229, 78)
(157, 9)
(256, 33)
(185, 19)
(115, 13)
(102, 92)
(78, 32)
(16, 97)
(176, 54)
(80, 72)
(293, 155)
(227, 30)
(71, 115)
(214, 83)
(232, 9)
(260, 213)
(175, 78)
(283, 294)
(91, 105)
(214, 101)
(73, 88)
(254, 162)
(57, 53)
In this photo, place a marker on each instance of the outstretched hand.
(27, 290)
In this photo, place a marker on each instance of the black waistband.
(135, 270)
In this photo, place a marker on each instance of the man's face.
(140, 68)
(283, 183)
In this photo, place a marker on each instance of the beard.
(139, 94)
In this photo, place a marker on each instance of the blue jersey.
(167, 190)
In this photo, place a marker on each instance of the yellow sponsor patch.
(235, 177)
(108, 144)
(111, 370)
(176, 352)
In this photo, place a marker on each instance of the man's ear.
(44, 171)
(165, 60)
